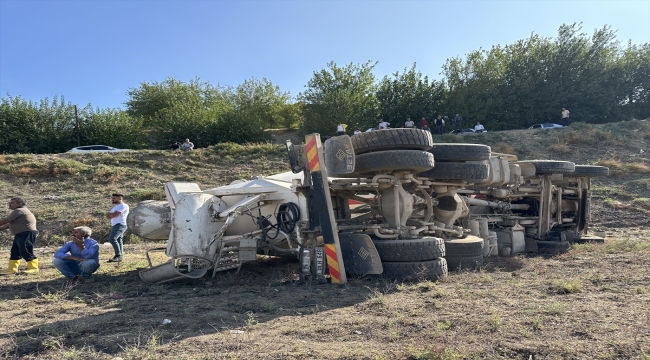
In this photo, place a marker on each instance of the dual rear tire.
(413, 259)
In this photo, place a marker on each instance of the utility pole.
(76, 118)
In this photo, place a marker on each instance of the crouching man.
(78, 257)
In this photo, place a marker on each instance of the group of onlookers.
(186, 146)
(78, 258)
(438, 124)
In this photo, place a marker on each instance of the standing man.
(424, 122)
(339, 129)
(458, 122)
(187, 145)
(79, 256)
(565, 117)
(440, 125)
(117, 215)
(383, 125)
(22, 224)
(408, 124)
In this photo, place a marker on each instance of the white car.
(96, 149)
(546, 126)
(466, 131)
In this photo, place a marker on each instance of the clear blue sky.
(94, 51)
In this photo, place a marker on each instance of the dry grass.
(562, 149)
(587, 303)
(620, 167)
(504, 148)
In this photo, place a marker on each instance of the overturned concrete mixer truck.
(387, 202)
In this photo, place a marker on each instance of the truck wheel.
(391, 139)
(460, 152)
(458, 171)
(393, 160)
(591, 170)
(551, 166)
(427, 248)
(464, 253)
(416, 270)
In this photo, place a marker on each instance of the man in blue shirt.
(78, 257)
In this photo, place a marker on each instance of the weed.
(268, 306)
(562, 149)
(555, 308)
(443, 325)
(422, 355)
(105, 173)
(53, 297)
(495, 322)
(83, 220)
(567, 287)
(48, 211)
(640, 168)
(148, 194)
(536, 323)
(251, 320)
(377, 298)
(643, 203)
(626, 246)
(140, 348)
(426, 285)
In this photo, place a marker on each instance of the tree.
(150, 98)
(531, 80)
(340, 94)
(112, 127)
(409, 95)
(50, 127)
(635, 76)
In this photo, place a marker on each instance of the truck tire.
(458, 171)
(391, 139)
(464, 253)
(394, 160)
(551, 166)
(416, 270)
(460, 152)
(591, 170)
(427, 248)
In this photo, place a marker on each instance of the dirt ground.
(588, 303)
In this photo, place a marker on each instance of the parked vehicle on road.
(95, 149)
(546, 126)
(466, 131)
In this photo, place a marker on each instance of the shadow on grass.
(118, 313)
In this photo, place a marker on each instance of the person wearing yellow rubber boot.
(22, 224)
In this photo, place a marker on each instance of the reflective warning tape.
(312, 153)
(332, 263)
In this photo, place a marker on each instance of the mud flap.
(339, 155)
(296, 156)
(360, 256)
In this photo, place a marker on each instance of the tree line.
(506, 87)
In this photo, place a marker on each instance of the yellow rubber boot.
(12, 269)
(32, 267)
